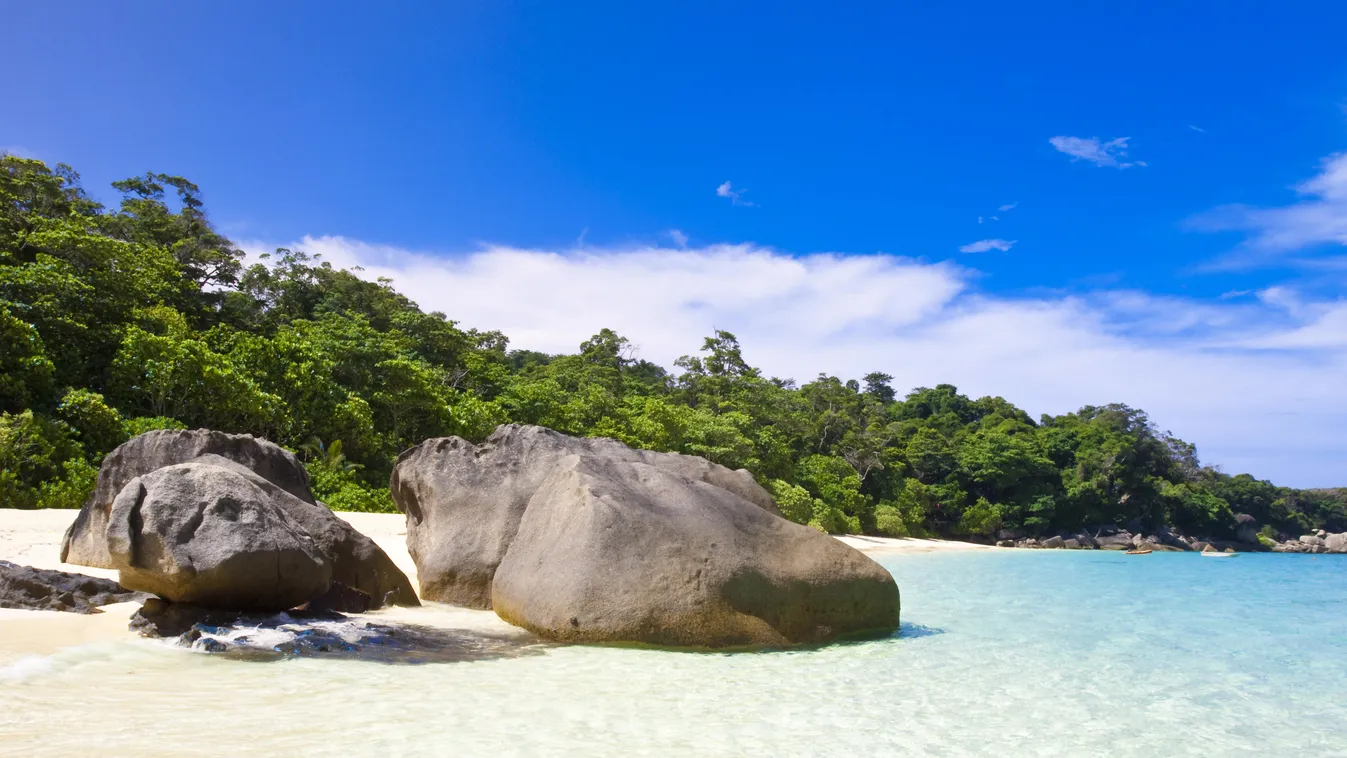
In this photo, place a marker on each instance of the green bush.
(336, 481)
(72, 489)
(41, 464)
(1267, 537)
(889, 521)
(980, 520)
(135, 427)
(793, 500)
(98, 427)
(831, 520)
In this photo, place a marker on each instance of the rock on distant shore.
(35, 589)
(253, 500)
(589, 540)
(1320, 542)
(1165, 539)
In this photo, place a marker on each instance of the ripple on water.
(1052, 654)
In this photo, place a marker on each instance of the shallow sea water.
(1043, 653)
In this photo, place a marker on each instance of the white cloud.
(1008, 206)
(1319, 217)
(1197, 129)
(1112, 153)
(1255, 384)
(734, 195)
(678, 237)
(982, 246)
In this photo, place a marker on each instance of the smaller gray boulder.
(1336, 543)
(210, 536)
(1054, 542)
(83, 544)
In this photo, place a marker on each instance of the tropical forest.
(115, 321)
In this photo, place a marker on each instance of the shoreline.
(33, 538)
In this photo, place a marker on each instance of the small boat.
(1138, 552)
(1219, 555)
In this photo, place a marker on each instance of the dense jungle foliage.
(118, 321)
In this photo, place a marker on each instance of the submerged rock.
(36, 589)
(296, 634)
(209, 535)
(590, 540)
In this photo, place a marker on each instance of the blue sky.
(1162, 222)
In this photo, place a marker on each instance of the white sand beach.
(33, 538)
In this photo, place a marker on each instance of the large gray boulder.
(84, 544)
(1246, 529)
(209, 535)
(589, 540)
(464, 502)
(1122, 540)
(354, 558)
(1336, 543)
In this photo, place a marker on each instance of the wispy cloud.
(1008, 206)
(1255, 383)
(580, 241)
(678, 237)
(735, 196)
(982, 246)
(1112, 153)
(1318, 218)
(1197, 129)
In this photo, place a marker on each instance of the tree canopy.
(118, 321)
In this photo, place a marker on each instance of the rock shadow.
(328, 635)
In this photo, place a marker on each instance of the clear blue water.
(1042, 653)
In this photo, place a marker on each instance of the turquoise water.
(1001, 653)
